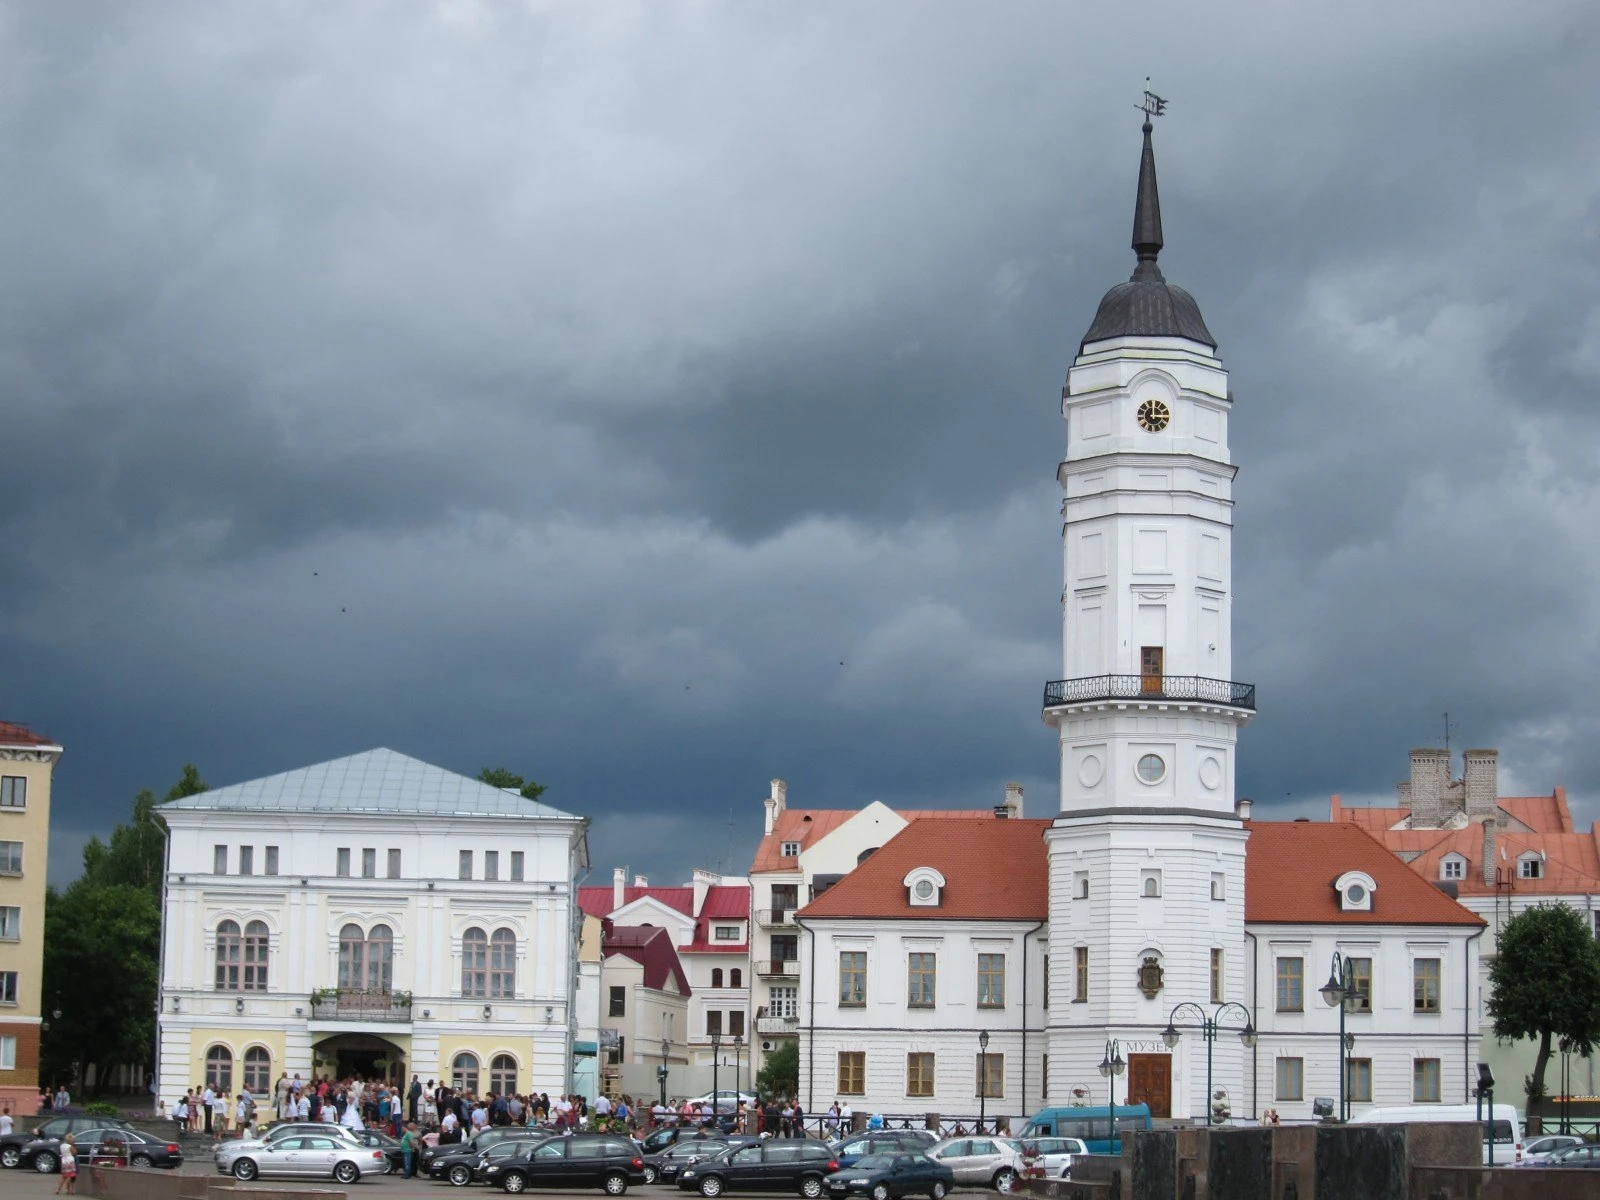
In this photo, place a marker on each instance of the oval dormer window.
(1356, 894)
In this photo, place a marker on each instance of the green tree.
(780, 1074)
(1545, 983)
(501, 778)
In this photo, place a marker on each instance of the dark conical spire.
(1147, 214)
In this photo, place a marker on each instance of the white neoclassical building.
(373, 915)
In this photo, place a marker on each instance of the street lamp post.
(1341, 990)
(1208, 1026)
(716, 1058)
(738, 1084)
(1111, 1065)
(661, 1071)
(983, 1077)
(1565, 1047)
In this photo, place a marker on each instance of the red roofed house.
(1499, 854)
(705, 931)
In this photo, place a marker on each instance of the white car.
(1052, 1154)
(1536, 1151)
(316, 1155)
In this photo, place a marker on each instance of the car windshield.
(875, 1162)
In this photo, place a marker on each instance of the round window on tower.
(1152, 768)
(1153, 416)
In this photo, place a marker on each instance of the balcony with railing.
(778, 968)
(1152, 688)
(775, 918)
(777, 1025)
(361, 1005)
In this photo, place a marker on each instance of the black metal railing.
(360, 1004)
(1149, 687)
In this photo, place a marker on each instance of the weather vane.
(1154, 105)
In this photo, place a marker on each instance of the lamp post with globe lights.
(1112, 1065)
(1209, 1025)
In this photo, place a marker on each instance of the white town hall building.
(1066, 943)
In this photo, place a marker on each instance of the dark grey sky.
(662, 398)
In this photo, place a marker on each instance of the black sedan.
(103, 1143)
(775, 1165)
(885, 1176)
(664, 1165)
(576, 1160)
(466, 1164)
(374, 1140)
(11, 1144)
(475, 1144)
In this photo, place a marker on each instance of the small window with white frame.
(924, 887)
(789, 850)
(1530, 866)
(13, 791)
(726, 933)
(1452, 866)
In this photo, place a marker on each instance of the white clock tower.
(1147, 854)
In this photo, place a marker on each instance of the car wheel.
(245, 1169)
(711, 1185)
(615, 1184)
(460, 1175)
(45, 1163)
(650, 1173)
(347, 1173)
(1003, 1179)
(140, 1160)
(514, 1183)
(938, 1191)
(10, 1156)
(811, 1187)
(881, 1192)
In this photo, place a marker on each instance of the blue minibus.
(1090, 1124)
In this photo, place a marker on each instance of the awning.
(585, 1048)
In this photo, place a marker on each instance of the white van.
(1507, 1125)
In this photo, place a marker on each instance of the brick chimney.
(619, 887)
(1482, 779)
(1489, 863)
(1011, 809)
(1430, 784)
(776, 800)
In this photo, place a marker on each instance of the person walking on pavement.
(408, 1149)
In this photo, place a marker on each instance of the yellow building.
(26, 764)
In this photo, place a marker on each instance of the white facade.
(373, 910)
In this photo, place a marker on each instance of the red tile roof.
(597, 900)
(993, 869)
(651, 947)
(723, 902)
(12, 734)
(808, 826)
(1290, 867)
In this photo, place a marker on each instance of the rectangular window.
(1290, 1083)
(1360, 1083)
(1291, 987)
(852, 978)
(10, 858)
(1425, 1081)
(921, 979)
(394, 864)
(785, 947)
(852, 1073)
(784, 1002)
(13, 791)
(1453, 868)
(369, 863)
(342, 862)
(1046, 992)
(1080, 975)
(785, 899)
(272, 860)
(8, 1054)
(919, 1074)
(619, 1002)
(247, 860)
(219, 860)
(789, 850)
(464, 867)
(1216, 976)
(516, 866)
(991, 981)
(491, 864)
(1361, 976)
(713, 1022)
(726, 933)
(736, 1022)
(10, 923)
(1425, 985)
(8, 987)
(1531, 868)
(991, 1076)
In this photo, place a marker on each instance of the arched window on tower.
(716, 977)
(380, 959)
(474, 963)
(503, 964)
(256, 943)
(230, 949)
(464, 1072)
(258, 1070)
(219, 1070)
(503, 1075)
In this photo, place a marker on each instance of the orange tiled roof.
(1290, 867)
(808, 826)
(993, 869)
(12, 734)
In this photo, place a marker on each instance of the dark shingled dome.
(1147, 305)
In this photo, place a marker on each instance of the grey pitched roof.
(377, 781)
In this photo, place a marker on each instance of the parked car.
(479, 1142)
(376, 1140)
(579, 1160)
(664, 1165)
(884, 1176)
(773, 1165)
(983, 1161)
(315, 1155)
(276, 1133)
(659, 1139)
(1541, 1148)
(129, 1145)
(1051, 1157)
(1575, 1156)
(882, 1141)
(470, 1164)
(12, 1143)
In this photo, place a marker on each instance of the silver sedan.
(316, 1156)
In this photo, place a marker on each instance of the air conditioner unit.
(766, 1045)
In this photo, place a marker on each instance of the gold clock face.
(1153, 416)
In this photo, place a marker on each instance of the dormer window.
(1452, 866)
(1530, 866)
(789, 850)
(1355, 890)
(924, 887)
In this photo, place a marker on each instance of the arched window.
(735, 977)
(503, 964)
(255, 956)
(380, 959)
(716, 977)
(464, 1072)
(503, 1075)
(219, 1069)
(352, 958)
(475, 964)
(229, 952)
(257, 1070)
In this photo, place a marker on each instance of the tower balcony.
(1136, 690)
